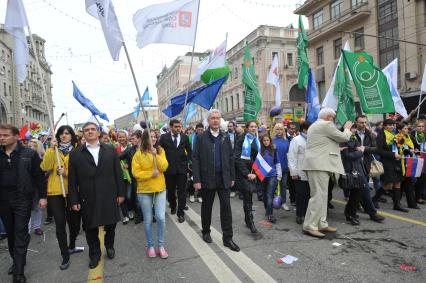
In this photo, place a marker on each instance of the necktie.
(175, 140)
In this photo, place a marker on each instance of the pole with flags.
(422, 90)
(16, 21)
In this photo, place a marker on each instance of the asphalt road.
(370, 252)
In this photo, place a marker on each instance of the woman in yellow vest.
(151, 190)
(58, 204)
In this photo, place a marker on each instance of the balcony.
(347, 19)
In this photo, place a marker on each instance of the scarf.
(402, 142)
(390, 137)
(65, 148)
(246, 150)
(420, 139)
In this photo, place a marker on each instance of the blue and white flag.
(192, 110)
(86, 103)
(312, 99)
(391, 73)
(146, 100)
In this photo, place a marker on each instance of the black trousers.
(173, 183)
(208, 195)
(407, 186)
(63, 215)
(16, 214)
(353, 202)
(92, 238)
(303, 193)
(420, 187)
(291, 189)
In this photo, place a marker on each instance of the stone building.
(332, 23)
(22, 103)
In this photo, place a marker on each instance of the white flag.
(423, 86)
(274, 79)
(103, 10)
(172, 22)
(391, 73)
(330, 100)
(215, 60)
(16, 21)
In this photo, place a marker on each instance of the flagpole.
(43, 88)
(190, 66)
(420, 102)
(145, 114)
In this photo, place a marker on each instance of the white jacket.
(295, 156)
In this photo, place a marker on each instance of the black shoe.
(352, 220)
(181, 219)
(252, 228)
(19, 279)
(207, 238)
(65, 262)
(186, 207)
(299, 220)
(173, 211)
(399, 208)
(231, 245)
(377, 218)
(272, 219)
(110, 253)
(10, 270)
(414, 207)
(330, 206)
(356, 216)
(48, 220)
(94, 262)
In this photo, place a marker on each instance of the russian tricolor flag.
(414, 167)
(261, 167)
(423, 155)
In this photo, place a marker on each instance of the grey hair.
(325, 112)
(212, 111)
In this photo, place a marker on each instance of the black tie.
(175, 140)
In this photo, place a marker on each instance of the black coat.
(243, 165)
(203, 166)
(352, 159)
(391, 166)
(370, 148)
(177, 157)
(95, 188)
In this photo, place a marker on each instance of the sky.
(77, 51)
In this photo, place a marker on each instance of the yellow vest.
(50, 164)
(142, 169)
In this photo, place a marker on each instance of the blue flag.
(192, 110)
(203, 96)
(86, 103)
(312, 99)
(146, 100)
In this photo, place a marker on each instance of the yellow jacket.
(50, 164)
(143, 167)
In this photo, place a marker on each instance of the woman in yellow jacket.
(151, 189)
(58, 204)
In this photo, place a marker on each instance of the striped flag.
(414, 167)
(261, 167)
(423, 155)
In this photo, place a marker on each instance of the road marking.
(254, 271)
(216, 265)
(390, 215)
(97, 274)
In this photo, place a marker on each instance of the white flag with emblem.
(172, 22)
(103, 10)
(274, 79)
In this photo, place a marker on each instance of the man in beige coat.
(322, 161)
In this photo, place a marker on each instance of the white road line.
(255, 272)
(216, 265)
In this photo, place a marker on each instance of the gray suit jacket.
(322, 147)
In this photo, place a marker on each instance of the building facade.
(368, 25)
(22, 103)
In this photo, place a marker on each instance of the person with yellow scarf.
(391, 159)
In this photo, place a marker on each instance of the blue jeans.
(158, 201)
(283, 186)
(2, 228)
(269, 187)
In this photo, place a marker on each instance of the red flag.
(23, 131)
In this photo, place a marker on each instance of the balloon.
(143, 124)
(27, 136)
(275, 111)
(277, 202)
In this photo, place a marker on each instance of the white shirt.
(94, 151)
(215, 133)
(177, 138)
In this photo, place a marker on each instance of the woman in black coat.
(246, 151)
(418, 137)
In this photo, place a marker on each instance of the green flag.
(252, 102)
(345, 98)
(302, 56)
(371, 84)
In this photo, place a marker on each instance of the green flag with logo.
(302, 56)
(345, 98)
(371, 84)
(252, 101)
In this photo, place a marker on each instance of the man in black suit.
(96, 187)
(178, 152)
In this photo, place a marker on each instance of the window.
(318, 19)
(337, 48)
(232, 103)
(321, 91)
(388, 27)
(387, 11)
(359, 40)
(357, 3)
(226, 105)
(290, 59)
(320, 56)
(238, 101)
(336, 8)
